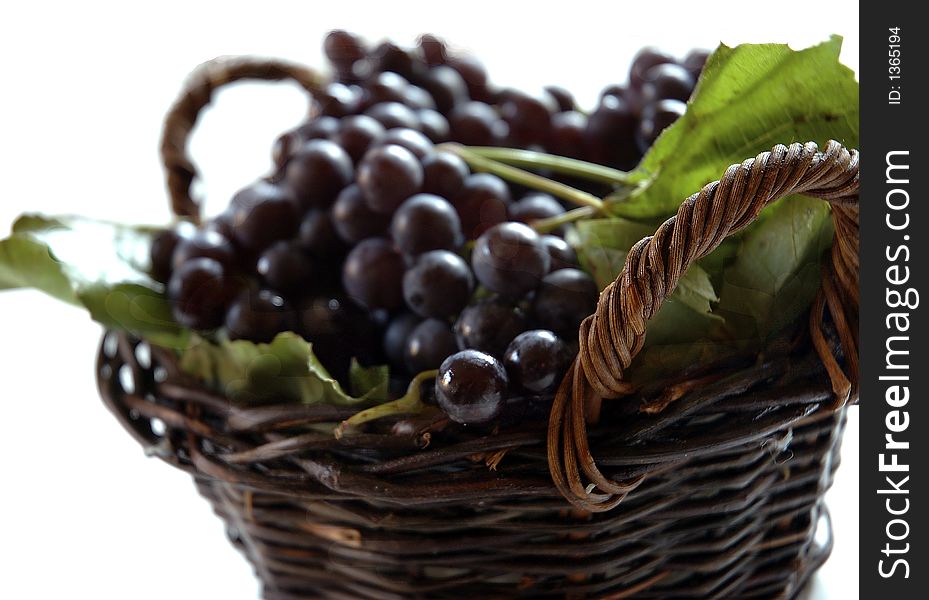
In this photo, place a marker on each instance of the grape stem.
(522, 177)
(551, 223)
(559, 164)
(411, 402)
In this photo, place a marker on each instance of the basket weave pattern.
(718, 495)
(731, 515)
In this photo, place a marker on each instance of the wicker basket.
(716, 495)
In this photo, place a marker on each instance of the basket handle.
(196, 94)
(614, 334)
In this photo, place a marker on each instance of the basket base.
(737, 472)
(759, 544)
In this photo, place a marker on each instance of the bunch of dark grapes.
(630, 117)
(448, 96)
(375, 244)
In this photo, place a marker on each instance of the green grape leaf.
(603, 264)
(748, 99)
(99, 265)
(284, 370)
(368, 382)
(776, 273)
(602, 245)
(27, 263)
(616, 233)
(103, 267)
(695, 290)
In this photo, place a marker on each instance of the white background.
(82, 512)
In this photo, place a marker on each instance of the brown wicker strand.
(611, 338)
(197, 93)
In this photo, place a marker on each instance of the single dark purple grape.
(629, 96)
(257, 316)
(562, 97)
(615, 89)
(384, 87)
(433, 49)
(656, 118)
(667, 81)
(393, 114)
(563, 255)
(695, 61)
(537, 360)
(223, 223)
(475, 76)
(509, 259)
(373, 274)
(644, 60)
(387, 56)
(357, 134)
(534, 206)
(199, 291)
(610, 135)
(262, 213)
(444, 174)
(529, 118)
(325, 316)
(339, 331)
(430, 342)
(338, 100)
(433, 125)
(566, 137)
(418, 98)
(205, 243)
(565, 298)
(396, 335)
(438, 285)
(318, 234)
(285, 267)
(343, 49)
(411, 139)
(489, 326)
(360, 72)
(388, 175)
(426, 222)
(476, 124)
(284, 147)
(317, 172)
(471, 387)
(481, 203)
(320, 128)
(354, 220)
(161, 253)
(447, 87)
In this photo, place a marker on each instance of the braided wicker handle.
(614, 334)
(196, 94)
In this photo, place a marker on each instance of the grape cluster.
(451, 97)
(376, 244)
(629, 118)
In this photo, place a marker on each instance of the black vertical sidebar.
(894, 459)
